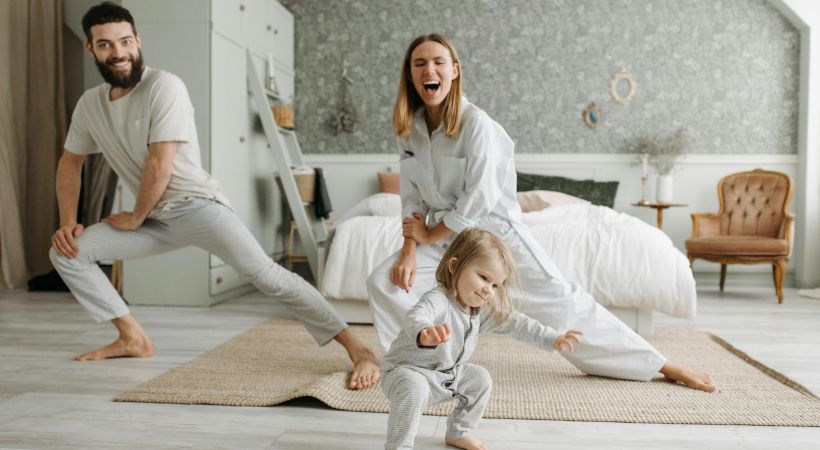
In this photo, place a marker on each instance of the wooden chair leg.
(291, 246)
(116, 275)
(779, 271)
(722, 276)
(774, 274)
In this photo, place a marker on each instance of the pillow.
(538, 200)
(383, 204)
(596, 192)
(389, 182)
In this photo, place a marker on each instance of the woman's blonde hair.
(473, 245)
(408, 100)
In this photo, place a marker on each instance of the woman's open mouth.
(431, 87)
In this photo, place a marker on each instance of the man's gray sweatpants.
(202, 223)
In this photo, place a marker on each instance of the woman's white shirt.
(461, 181)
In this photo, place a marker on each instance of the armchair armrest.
(787, 230)
(705, 224)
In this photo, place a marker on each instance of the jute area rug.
(278, 361)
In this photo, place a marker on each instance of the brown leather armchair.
(753, 225)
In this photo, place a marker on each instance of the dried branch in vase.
(664, 151)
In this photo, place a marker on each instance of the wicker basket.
(305, 184)
(283, 115)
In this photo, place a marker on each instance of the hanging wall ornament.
(345, 120)
(621, 78)
(592, 115)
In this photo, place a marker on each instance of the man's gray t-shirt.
(158, 109)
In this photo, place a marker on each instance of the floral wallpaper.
(728, 70)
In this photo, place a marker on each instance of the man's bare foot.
(138, 348)
(365, 364)
(365, 372)
(688, 377)
(467, 442)
(132, 342)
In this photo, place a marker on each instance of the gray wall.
(726, 69)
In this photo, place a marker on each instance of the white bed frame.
(358, 311)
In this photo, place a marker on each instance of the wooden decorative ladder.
(287, 154)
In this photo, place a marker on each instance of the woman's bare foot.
(138, 348)
(688, 377)
(467, 442)
(365, 364)
(132, 342)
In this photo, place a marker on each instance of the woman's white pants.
(609, 347)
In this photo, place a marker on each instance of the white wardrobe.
(204, 42)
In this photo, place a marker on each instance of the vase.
(663, 189)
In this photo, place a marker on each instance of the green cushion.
(597, 192)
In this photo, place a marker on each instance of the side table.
(659, 207)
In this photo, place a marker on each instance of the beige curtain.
(32, 133)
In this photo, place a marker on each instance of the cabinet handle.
(219, 280)
(241, 138)
(275, 31)
(269, 27)
(242, 7)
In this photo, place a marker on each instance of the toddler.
(427, 362)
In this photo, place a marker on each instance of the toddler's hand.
(563, 343)
(435, 335)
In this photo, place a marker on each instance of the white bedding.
(619, 259)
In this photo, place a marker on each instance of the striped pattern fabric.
(414, 376)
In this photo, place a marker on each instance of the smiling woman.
(431, 67)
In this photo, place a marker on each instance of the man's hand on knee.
(63, 240)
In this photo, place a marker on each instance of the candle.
(645, 172)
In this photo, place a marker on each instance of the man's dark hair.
(106, 12)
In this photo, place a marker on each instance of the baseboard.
(742, 279)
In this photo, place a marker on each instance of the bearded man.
(142, 121)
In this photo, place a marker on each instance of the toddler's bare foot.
(135, 347)
(467, 442)
(365, 369)
(688, 377)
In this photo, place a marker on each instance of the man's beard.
(121, 80)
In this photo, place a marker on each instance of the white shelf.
(273, 95)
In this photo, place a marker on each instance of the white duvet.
(619, 259)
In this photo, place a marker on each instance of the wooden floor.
(49, 401)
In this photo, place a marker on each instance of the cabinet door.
(269, 31)
(240, 158)
(259, 27)
(283, 36)
(230, 162)
(228, 18)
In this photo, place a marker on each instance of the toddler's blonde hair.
(473, 245)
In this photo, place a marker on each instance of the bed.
(630, 267)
